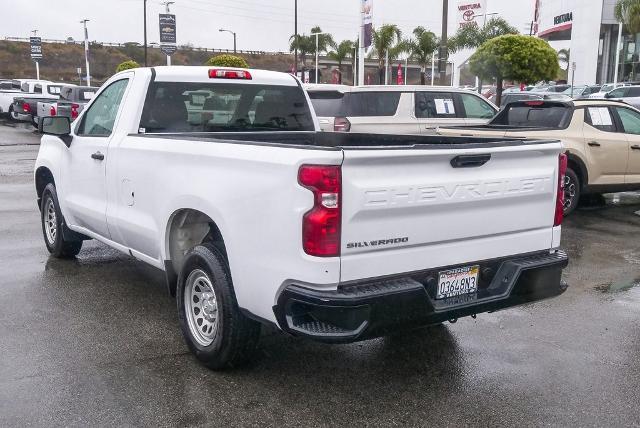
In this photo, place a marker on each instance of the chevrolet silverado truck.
(25, 104)
(601, 140)
(72, 100)
(262, 218)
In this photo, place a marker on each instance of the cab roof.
(201, 74)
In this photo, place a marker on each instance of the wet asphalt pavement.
(95, 341)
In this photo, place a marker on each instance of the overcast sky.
(260, 25)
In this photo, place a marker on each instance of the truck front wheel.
(212, 324)
(53, 227)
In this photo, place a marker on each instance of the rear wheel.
(12, 115)
(571, 191)
(212, 324)
(54, 228)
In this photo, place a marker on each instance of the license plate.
(457, 282)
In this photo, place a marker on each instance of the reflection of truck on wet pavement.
(260, 217)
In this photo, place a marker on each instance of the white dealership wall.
(584, 35)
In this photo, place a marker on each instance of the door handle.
(593, 144)
(470, 161)
(636, 147)
(97, 156)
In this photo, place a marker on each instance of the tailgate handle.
(470, 161)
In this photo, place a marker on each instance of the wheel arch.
(43, 177)
(186, 228)
(579, 167)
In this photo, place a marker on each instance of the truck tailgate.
(405, 210)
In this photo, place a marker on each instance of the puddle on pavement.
(618, 286)
(624, 198)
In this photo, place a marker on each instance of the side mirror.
(59, 126)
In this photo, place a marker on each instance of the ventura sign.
(469, 10)
(561, 19)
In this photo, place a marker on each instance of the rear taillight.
(229, 74)
(26, 108)
(562, 171)
(74, 110)
(341, 124)
(321, 225)
(52, 111)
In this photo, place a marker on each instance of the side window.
(634, 91)
(362, 104)
(600, 118)
(99, 119)
(435, 105)
(617, 93)
(476, 108)
(37, 89)
(630, 120)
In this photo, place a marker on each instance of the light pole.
(222, 30)
(442, 58)
(317, 48)
(295, 37)
(35, 32)
(86, 50)
(166, 4)
(145, 30)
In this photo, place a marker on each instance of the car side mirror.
(59, 126)
(607, 95)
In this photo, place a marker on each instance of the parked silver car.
(628, 94)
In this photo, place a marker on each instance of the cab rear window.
(213, 107)
(536, 115)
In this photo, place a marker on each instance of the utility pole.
(86, 50)
(145, 31)
(35, 32)
(166, 4)
(442, 60)
(295, 38)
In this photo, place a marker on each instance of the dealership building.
(592, 31)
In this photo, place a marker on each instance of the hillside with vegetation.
(61, 60)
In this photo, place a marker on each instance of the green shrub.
(127, 65)
(226, 60)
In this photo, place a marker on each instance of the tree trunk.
(423, 78)
(498, 90)
(381, 75)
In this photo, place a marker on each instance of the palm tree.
(305, 46)
(474, 36)
(387, 40)
(342, 51)
(325, 40)
(422, 49)
(628, 12)
(564, 56)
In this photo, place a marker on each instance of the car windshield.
(606, 88)
(327, 103)
(214, 107)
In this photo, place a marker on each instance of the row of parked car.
(601, 135)
(28, 99)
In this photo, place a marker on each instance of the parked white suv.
(397, 109)
(256, 217)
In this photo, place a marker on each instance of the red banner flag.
(400, 75)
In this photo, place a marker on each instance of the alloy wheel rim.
(569, 192)
(201, 307)
(50, 222)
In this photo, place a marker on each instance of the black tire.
(234, 337)
(10, 113)
(56, 243)
(572, 190)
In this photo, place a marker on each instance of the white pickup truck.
(261, 218)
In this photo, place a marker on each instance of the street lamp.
(86, 50)
(35, 32)
(222, 30)
(145, 31)
(317, 43)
